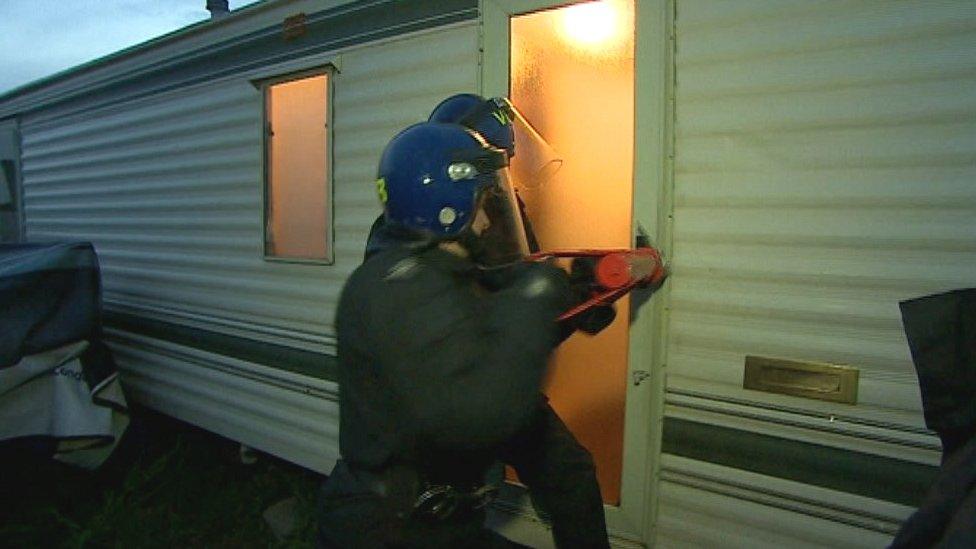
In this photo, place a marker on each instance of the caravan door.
(570, 69)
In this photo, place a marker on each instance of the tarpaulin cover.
(57, 378)
(48, 295)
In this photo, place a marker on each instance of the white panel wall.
(824, 170)
(381, 90)
(170, 191)
(705, 505)
(289, 415)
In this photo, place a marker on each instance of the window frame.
(264, 85)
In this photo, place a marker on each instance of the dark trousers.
(561, 478)
(366, 522)
(559, 472)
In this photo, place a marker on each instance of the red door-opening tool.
(617, 272)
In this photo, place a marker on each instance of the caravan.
(803, 166)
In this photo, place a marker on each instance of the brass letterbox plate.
(816, 380)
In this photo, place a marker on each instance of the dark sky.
(42, 37)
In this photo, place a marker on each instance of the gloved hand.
(596, 319)
(582, 275)
(580, 287)
(541, 281)
(582, 278)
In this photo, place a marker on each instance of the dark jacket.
(474, 360)
(429, 363)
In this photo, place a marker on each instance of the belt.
(425, 500)
(441, 501)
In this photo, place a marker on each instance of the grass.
(167, 485)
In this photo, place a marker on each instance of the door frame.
(633, 521)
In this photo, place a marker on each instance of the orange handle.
(640, 266)
(617, 271)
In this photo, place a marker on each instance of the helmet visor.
(535, 161)
(500, 234)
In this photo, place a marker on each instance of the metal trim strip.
(848, 471)
(791, 423)
(309, 363)
(320, 342)
(801, 411)
(787, 502)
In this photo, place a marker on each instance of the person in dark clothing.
(941, 331)
(440, 377)
(557, 469)
(549, 460)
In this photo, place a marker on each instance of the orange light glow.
(580, 98)
(591, 23)
(297, 212)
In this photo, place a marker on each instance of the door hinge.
(639, 376)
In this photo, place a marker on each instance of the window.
(9, 213)
(6, 184)
(298, 166)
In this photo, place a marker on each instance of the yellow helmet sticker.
(501, 117)
(381, 189)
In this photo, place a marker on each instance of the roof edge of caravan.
(253, 19)
(172, 36)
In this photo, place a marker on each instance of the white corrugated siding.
(825, 153)
(292, 416)
(170, 191)
(720, 507)
(824, 167)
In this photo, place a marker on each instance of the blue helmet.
(431, 177)
(491, 118)
(503, 126)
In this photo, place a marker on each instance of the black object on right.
(941, 332)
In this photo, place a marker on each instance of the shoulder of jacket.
(402, 266)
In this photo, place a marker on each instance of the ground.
(167, 485)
